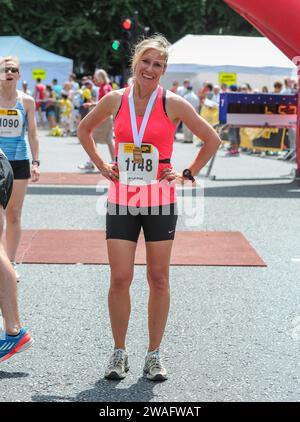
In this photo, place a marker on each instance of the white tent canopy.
(36, 59)
(201, 57)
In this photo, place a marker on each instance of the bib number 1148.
(144, 165)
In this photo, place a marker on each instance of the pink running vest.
(160, 132)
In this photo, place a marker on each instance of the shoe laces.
(154, 361)
(117, 359)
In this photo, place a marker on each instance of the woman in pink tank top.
(142, 192)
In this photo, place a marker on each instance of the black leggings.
(159, 223)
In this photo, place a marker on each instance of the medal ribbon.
(138, 135)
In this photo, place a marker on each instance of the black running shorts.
(158, 223)
(21, 169)
(6, 180)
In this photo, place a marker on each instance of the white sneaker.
(14, 264)
(86, 166)
(154, 369)
(117, 366)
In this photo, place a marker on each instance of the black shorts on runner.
(6, 180)
(21, 169)
(158, 223)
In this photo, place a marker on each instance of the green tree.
(84, 30)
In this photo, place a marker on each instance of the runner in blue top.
(17, 115)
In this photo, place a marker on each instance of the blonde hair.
(157, 42)
(14, 59)
(100, 73)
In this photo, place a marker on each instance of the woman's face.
(9, 72)
(150, 68)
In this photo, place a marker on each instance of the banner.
(261, 139)
(210, 114)
(258, 110)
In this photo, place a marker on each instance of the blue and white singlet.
(13, 125)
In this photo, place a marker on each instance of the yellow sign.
(146, 148)
(39, 73)
(227, 78)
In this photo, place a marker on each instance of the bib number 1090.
(144, 165)
(4, 122)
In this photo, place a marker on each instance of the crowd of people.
(212, 91)
(61, 107)
(66, 104)
(208, 98)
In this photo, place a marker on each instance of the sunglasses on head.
(7, 69)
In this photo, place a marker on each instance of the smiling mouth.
(150, 78)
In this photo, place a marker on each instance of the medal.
(139, 134)
(137, 155)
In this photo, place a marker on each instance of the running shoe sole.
(26, 342)
(157, 377)
(113, 375)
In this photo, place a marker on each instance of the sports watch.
(187, 174)
(37, 162)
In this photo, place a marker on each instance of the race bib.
(142, 173)
(10, 123)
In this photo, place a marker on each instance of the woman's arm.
(29, 105)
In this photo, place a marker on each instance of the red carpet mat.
(88, 179)
(89, 247)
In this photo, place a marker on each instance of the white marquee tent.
(201, 57)
(35, 59)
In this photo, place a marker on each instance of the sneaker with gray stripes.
(154, 369)
(117, 367)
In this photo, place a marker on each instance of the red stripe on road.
(89, 247)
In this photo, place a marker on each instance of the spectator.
(224, 87)
(277, 87)
(205, 92)
(174, 87)
(50, 102)
(216, 94)
(244, 89)
(103, 133)
(72, 80)
(39, 93)
(233, 134)
(86, 98)
(25, 88)
(66, 112)
(182, 90)
(288, 86)
(76, 116)
(265, 89)
(56, 88)
(193, 99)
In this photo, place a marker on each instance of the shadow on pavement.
(269, 190)
(290, 190)
(107, 391)
(5, 375)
